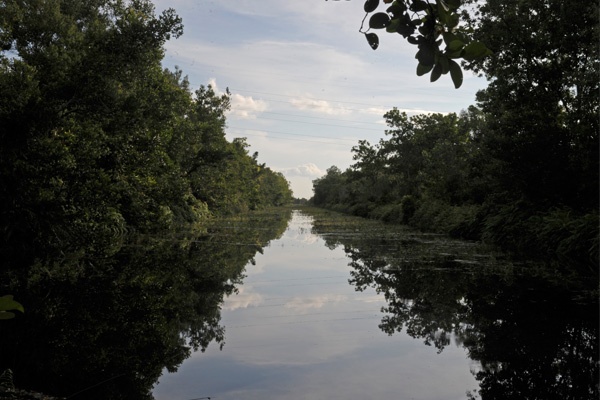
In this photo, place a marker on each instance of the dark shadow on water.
(532, 333)
(106, 328)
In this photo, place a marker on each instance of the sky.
(305, 84)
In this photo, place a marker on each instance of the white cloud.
(244, 107)
(379, 111)
(213, 83)
(321, 106)
(302, 236)
(308, 170)
(273, 66)
(243, 299)
(303, 304)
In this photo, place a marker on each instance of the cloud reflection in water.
(298, 330)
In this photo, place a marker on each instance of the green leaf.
(475, 50)
(445, 64)
(419, 5)
(436, 73)
(448, 37)
(406, 26)
(423, 69)
(453, 20)
(7, 303)
(6, 315)
(379, 20)
(456, 73)
(443, 14)
(453, 4)
(453, 54)
(396, 9)
(426, 54)
(371, 5)
(373, 40)
(455, 45)
(450, 5)
(462, 36)
(393, 25)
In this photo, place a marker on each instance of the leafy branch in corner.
(427, 25)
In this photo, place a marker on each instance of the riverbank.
(558, 237)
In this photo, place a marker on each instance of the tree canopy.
(519, 168)
(99, 140)
(102, 151)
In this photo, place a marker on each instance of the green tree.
(329, 189)
(540, 139)
(520, 169)
(101, 146)
(84, 120)
(425, 155)
(542, 98)
(273, 187)
(221, 173)
(99, 140)
(367, 182)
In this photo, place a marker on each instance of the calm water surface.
(298, 330)
(314, 305)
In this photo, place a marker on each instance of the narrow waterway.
(324, 314)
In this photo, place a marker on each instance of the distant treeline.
(98, 140)
(520, 169)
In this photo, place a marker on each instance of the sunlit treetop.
(434, 27)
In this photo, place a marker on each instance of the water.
(349, 310)
(308, 305)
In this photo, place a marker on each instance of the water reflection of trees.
(120, 321)
(532, 334)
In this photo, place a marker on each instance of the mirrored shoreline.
(340, 307)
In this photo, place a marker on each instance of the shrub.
(392, 213)
(409, 207)
(440, 217)
(362, 209)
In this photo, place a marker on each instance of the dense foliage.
(520, 169)
(98, 140)
(102, 151)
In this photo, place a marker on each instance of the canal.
(343, 308)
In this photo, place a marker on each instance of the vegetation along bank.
(520, 168)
